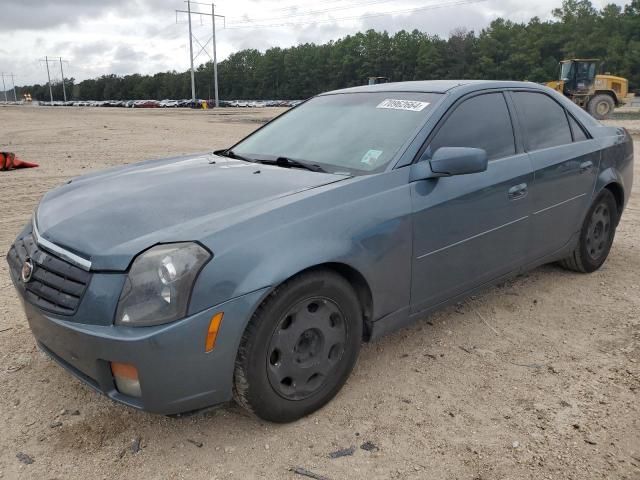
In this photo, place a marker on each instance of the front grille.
(55, 286)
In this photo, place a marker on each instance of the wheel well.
(360, 286)
(609, 93)
(618, 194)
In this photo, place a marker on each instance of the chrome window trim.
(72, 258)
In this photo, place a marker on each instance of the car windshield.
(354, 133)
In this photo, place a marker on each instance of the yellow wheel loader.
(597, 94)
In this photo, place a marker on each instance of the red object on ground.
(9, 161)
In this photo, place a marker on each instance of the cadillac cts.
(256, 272)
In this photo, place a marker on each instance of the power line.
(297, 5)
(356, 17)
(315, 12)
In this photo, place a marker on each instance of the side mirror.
(451, 161)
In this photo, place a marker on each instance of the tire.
(299, 348)
(596, 236)
(601, 106)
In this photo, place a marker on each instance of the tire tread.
(241, 384)
(575, 261)
(591, 107)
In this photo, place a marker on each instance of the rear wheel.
(299, 347)
(601, 106)
(596, 236)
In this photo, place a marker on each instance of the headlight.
(159, 285)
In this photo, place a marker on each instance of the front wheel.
(299, 347)
(596, 236)
(601, 106)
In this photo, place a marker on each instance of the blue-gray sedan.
(256, 272)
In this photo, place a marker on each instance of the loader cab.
(578, 76)
(378, 80)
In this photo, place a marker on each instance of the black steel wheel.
(596, 237)
(305, 348)
(599, 232)
(299, 347)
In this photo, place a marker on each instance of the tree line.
(505, 50)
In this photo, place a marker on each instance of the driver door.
(471, 229)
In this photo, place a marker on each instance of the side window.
(480, 122)
(578, 132)
(543, 120)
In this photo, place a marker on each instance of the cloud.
(100, 37)
(36, 15)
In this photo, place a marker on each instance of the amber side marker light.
(212, 333)
(126, 378)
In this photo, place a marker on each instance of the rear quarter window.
(543, 120)
(578, 132)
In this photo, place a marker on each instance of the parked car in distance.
(255, 272)
(169, 104)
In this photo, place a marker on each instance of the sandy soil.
(538, 378)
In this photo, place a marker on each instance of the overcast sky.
(97, 37)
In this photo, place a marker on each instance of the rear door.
(565, 162)
(471, 229)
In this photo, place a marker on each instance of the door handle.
(519, 191)
(586, 167)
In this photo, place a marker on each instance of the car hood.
(110, 217)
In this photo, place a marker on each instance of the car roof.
(435, 86)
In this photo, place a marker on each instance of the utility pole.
(203, 48)
(4, 89)
(13, 82)
(215, 55)
(46, 60)
(193, 73)
(64, 91)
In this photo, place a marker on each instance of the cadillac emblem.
(27, 270)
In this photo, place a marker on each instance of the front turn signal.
(212, 333)
(126, 379)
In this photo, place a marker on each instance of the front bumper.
(176, 374)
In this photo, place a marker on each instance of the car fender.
(275, 269)
(616, 166)
(324, 228)
(606, 179)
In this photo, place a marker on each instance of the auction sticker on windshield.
(409, 105)
(371, 157)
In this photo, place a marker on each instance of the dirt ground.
(538, 378)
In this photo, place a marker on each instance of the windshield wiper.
(291, 163)
(233, 155)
